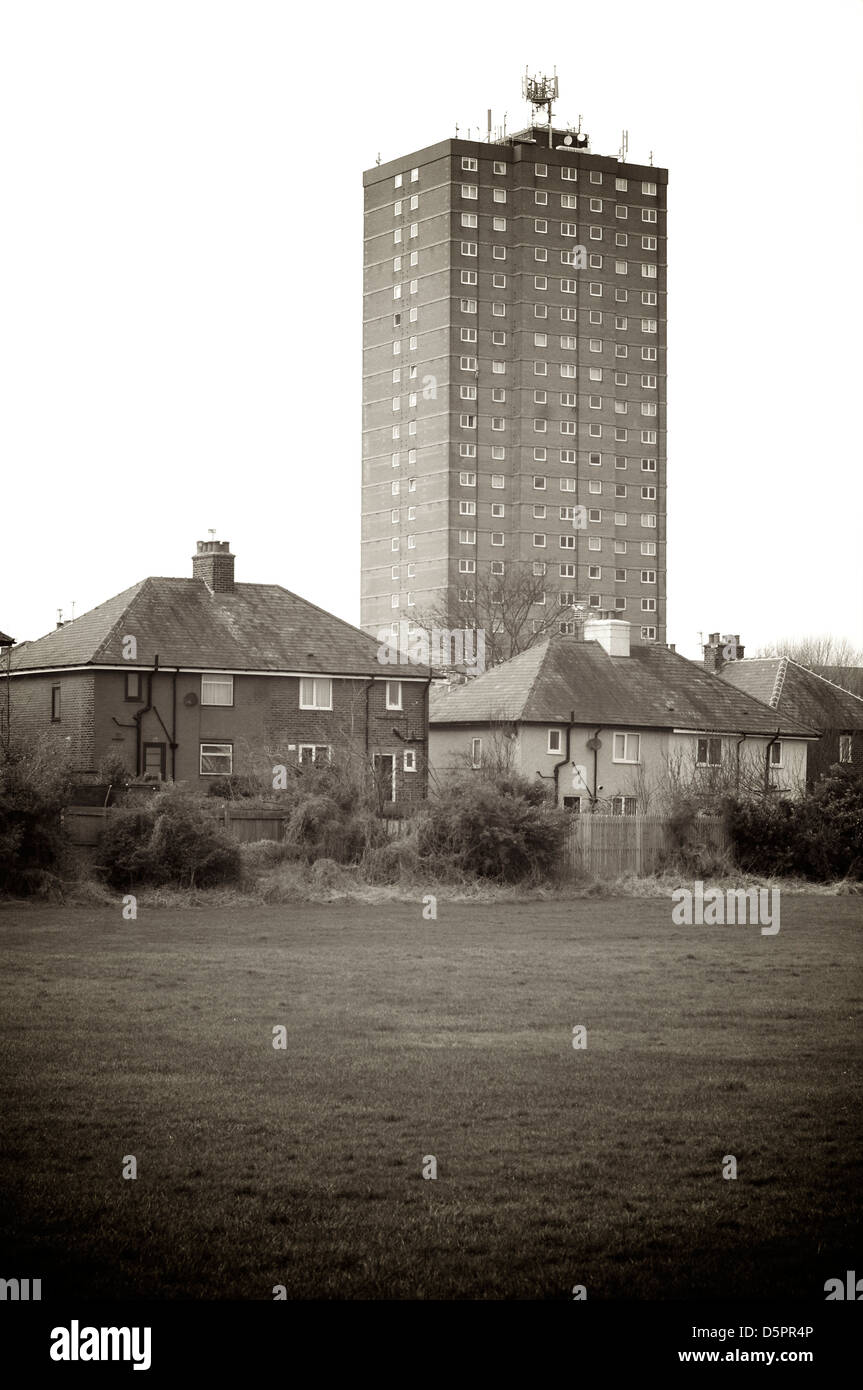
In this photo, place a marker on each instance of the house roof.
(796, 692)
(848, 677)
(256, 627)
(651, 688)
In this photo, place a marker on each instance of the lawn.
(405, 1038)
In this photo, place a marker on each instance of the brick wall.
(30, 714)
(264, 726)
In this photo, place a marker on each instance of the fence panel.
(609, 846)
(247, 826)
(84, 824)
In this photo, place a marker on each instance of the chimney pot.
(720, 650)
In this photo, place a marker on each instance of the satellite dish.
(567, 139)
(594, 744)
(190, 699)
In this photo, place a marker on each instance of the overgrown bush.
(690, 848)
(172, 840)
(819, 836)
(500, 827)
(237, 788)
(35, 783)
(397, 861)
(332, 814)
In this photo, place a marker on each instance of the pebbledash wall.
(451, 748)
(265, 719)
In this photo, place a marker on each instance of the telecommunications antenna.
(541, 92)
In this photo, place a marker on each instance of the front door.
(385, 776)
(154, 761)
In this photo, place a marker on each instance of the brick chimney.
(214, 563)
(611, 633)
(720, 650)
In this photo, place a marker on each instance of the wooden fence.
(608, 846)
(596, 847)
(84, 824)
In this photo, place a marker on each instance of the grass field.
(452, 1038)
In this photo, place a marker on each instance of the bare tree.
(515, 610)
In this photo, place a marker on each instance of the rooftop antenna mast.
(541, 92)
(624, 146)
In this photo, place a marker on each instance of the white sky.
(181, 251)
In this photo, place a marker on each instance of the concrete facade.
(591, 776)
(504, 385)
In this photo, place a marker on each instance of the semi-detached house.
(197, 678)
(614, 726)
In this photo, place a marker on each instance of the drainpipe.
(596, 767)
(174, 725)
(369, 689)
(775, 739)
(742, 739)
(139, 715)
(558, 766)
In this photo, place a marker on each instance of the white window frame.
(312, 698)
(625, 745)
(226, 683)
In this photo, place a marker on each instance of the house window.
(845, 749)
(217, 690)
(776, 754)
(708, 752)
(476, 752)
(55, 704)
(555, 741)
(623, 806)
(133, 685)
(409, 760)
(572, 803)
(316, 692)
(394, 694)
(217, 759)
(315, 752)
(627, 748)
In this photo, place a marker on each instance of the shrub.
(332, 814)
(113, 770)
(397, 861)
(263, 854)
(236, 788)
(499, 827)
(172, 840)
(34, 788)
(819, 836)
